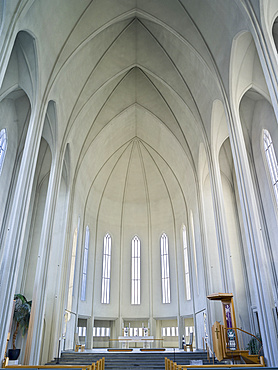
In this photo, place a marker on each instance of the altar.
(126, 340)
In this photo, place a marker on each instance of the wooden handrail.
(246, 332)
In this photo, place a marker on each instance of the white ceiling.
(134, 82)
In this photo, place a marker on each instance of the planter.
(13, 354)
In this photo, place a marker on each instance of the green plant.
(254, 345)
(22, 310)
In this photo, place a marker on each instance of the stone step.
(133, 360)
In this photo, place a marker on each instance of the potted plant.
(22, 310)
(254, 345)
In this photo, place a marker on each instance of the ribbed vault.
(137, 117)
(138, 60)
(138, 82)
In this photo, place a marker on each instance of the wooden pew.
(99, 365)
(67, 367)
(171, 365)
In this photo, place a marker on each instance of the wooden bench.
(99, 365)
(68, 367)
(171, 365)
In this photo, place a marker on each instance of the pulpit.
(224, 337)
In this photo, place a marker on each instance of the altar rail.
(171, 365)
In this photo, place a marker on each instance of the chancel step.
(134, 360)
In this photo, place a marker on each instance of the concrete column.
(269, 62)
(16, 226)
(90, 325)
(118, 330)
(34, 338)
(181, 330)
(70, 330)
(221, 229)
(56, 285)
(259, 261)
(153, 330)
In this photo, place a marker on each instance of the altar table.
(146, 340)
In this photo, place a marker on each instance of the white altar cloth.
(146, 340)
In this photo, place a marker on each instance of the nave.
(138, 172)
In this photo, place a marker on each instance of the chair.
(78, 346)
(190, 344)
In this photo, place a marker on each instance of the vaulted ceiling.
(134, 82)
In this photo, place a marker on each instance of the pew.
(171, 365)
(99, 365)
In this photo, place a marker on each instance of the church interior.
(138, 172)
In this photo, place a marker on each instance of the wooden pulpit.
(224, 336)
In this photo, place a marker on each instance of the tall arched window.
(3, 147)
(106, 270)
(85, 264)
(186, 264)
(272, 162)
(135, 270)
(72, 266)
(194, 250)
(165, 270)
